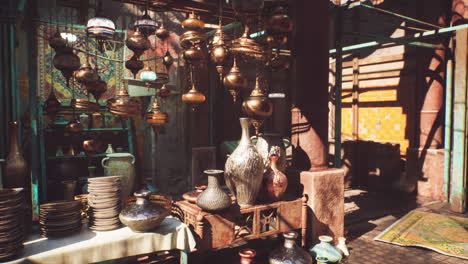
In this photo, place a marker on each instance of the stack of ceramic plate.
(61, 218)
(104, 203)
(11, 220)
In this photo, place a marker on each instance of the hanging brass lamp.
(193, 96)
(134, 65)
(156, 118)
(138, 43)
(52, 105)
(67, 62)
(123, 105)
(234, 81)
(162, 33)
(57, 42)
(193, 23)
(219, 52)
(86, 74)
(257, 106)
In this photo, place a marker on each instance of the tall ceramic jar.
(16, 168)
(275, 181)
(244, 169)
(289, 252)
(121, 164)
(213, 198)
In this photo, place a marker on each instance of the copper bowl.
(74, 127)
(92, 145)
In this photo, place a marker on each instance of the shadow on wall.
(370, 165)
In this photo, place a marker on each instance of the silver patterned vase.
(213, 198)
(244, 169)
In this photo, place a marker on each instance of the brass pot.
(74, 127)
(138, 43)
(86, 74)
(190, 38)
(193, 54)
(92, 146)
(134, 65)
(162, 32)
(67, 62)
(57, 42)
(193, 23)
(234, 81)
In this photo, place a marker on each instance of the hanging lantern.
(85, 74)
(138, 43)
(162, 33)
(168, 60)
(193, 23)
(248, 48)
(97, 89)
(52, 105)
(219, 51)
(257, 106)
(164, 92)
(234, 81)
(190, 38)
(156, 118)
(100, 28)
(193, 54)
(123, 105)
(148, 76)
(146, 25)
(134, 65)
(67, 62)
(193, 97)
(57, 42)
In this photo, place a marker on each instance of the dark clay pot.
(213, 198)
(143, 216)
(289, 253)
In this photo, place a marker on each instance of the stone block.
(325, 189)
(425, 169)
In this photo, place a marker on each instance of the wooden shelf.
(95, 129)
(76, 157)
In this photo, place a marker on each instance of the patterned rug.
(447, 235)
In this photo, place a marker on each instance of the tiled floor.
(375, 215)
(367, 215)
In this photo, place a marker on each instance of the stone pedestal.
(425, 169)
(325, 189)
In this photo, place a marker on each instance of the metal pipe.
(448, 119)
(415, 36)
(358, 3)
(338, 86)
(398, 40)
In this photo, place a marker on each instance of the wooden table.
(233, 225)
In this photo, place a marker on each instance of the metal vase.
(213, 198)
(121, 164)
(244, 169)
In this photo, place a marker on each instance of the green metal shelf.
(76, 157)
(96, 129)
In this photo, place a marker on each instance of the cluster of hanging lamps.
(192, 41)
